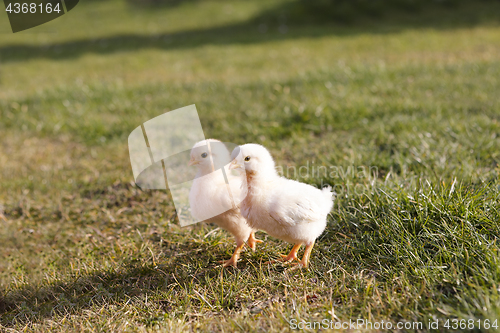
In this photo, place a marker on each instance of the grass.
(402, 111)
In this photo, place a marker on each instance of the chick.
(216, 194)
(286, 209)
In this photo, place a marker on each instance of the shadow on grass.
(31, 304)
(180, 262)
(287, 21)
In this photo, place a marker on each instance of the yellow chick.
(286, 209)
(216, 193)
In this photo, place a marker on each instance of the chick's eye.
(247, 158)
(204, 155)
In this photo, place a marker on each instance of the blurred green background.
(407, 88)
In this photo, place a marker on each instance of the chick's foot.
(292, 255)
(252, 241)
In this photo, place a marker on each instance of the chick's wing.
(295, 203)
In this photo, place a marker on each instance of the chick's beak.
(234, 165)
(192, 161)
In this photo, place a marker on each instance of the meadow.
(401, 107)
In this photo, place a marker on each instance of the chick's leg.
(234, 258)
(252, 241)
(293, 254)
(305, 258)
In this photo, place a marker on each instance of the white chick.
(286, 209)
(210, 194)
